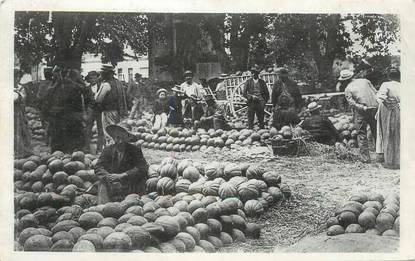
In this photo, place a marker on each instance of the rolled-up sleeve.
(350, 99)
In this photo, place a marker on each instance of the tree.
(63, 37)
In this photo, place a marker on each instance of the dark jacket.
(283, 117)
(292, 89)
(160, 107)
(130, 161)
(248, 91)
(321, 128)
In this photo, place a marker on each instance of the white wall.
(92, 63)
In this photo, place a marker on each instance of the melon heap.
(346, 128)
(372, 214)
(189, 207)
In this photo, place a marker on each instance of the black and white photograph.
(206, 132)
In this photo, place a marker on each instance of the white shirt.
(105, 88)
(192, 89)
(94, 89)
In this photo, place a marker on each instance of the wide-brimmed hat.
(137, 75)
(312, 106)
(160, 91)
(345, 75)
(107, 68)
(255, 68)
(188, 72)
(223, 76)
(282, 71)
(118, 131)
(92, 73)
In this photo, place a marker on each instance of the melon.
(165, 186)
(238, 235)
(203, 229)
(384, 221)
(276, 193)
(191, 173)
(225, 238)
(182, 185)
(207, 246)
(346, 218)
(390, 233)
(253, 230)
(332, 221)
(335, 230)
(227, 190)
(253, 208)
(215, 241)
(354, 228)
(187, 239)
(95, 239)
(139, 236)
(254, 172)
(247, 191)
(373, 231)
(113, 209)
(367, 219)
(84, 246)
(271, 178)
(194, 233)
(77, 232)
(118, 242)
(168, 170)
(213, 170)
(170, 226)
(37, 243)
(232, 170)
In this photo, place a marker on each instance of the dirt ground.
(319, 183)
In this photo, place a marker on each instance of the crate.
(286, 147)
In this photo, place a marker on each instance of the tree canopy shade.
(308, 43)
(62, 37)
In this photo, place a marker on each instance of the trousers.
(256, 108)
(361, 120)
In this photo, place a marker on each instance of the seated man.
(320, 127)
(121, 168)
(284, 114)
(160, 109)
(215, 116)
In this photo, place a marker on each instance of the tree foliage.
(62, 37)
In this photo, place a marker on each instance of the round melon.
(207, 246)
(168, 170)
(194, 233)
(346, 218)
(90, 219)
(354, 228)
(113, 209)
(191, 173)
(238, 235)
(37, 243)
(384, 221)
(232, 170)
(227, 190)
(187, 239)
(139, 236)
(335, 230)
(247, 191)
(253, 230)
(165, 186)
(253, 208)
(170, 225)
(390, 233)
(254, 172)
(182, 185)
(225, 238)
(95, 239)
(213, 170)
(367, 219)
(117, 242)
(200, 215)
(84, 246)
(215, 227)
(203, 229)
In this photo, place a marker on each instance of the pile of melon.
(345, 127)
(55, 179)
(34, 123)
(372, 214)
(252, 187)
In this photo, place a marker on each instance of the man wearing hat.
(135, 92)
(320, 127)
(194, 92)
(257, 95)
(361, 96)
(94, 114)
(160, 109)
(111, 99)
(221, 87)
(285, 86)
(175, 116)
(214, 116)
(121, 168)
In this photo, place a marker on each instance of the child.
(160, 109)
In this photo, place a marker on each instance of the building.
(124, 70)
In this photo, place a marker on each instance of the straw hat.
(312, 106)
(345, 75)
(117, 131)
(161, 90)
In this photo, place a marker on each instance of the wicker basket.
(289, 147)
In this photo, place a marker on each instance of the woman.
(175, 107)
(160, 109)
(389, 120)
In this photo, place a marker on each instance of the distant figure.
(257, 94)
(121, 168)
(191, 105)
(94, 113)
(215, 115)
(135, 92)
(42, 90)
(285, 115)
(285, 87)
(111, 99)
(389, 120)
(221, 87)
(160, 109)
(320, 127)
(174, 102)
(361, 96)
(66, 110)
(22, 138)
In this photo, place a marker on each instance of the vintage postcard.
(207, 129)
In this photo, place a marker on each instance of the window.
(120, 76)
(130, 75)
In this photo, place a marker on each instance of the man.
(221, 87)
(94, 113)
(66, 107)
(284, 86)
(257, 95)
(22, 138)
(361, 96)
(215, 116)
(111, 99)
(285, 115)
(135, 92)
(320, 127)
(192, 107)
(175, 116)
(42, 90)
(121, 168)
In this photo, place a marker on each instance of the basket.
(289, 147)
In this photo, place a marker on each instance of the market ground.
(319, 183)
